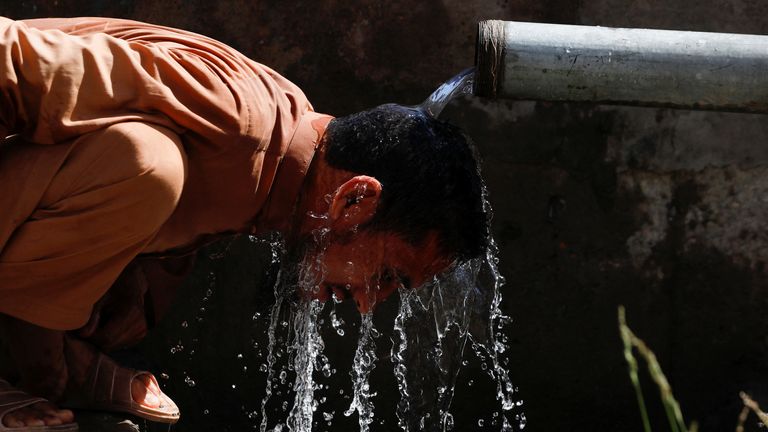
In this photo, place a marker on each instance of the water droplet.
(189, 381)
(184, 324)
(481, 422)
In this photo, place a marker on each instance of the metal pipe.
(694, 70)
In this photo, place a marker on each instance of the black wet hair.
(428, 170)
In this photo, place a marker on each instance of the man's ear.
(354, 202)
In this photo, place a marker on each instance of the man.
(137, 144)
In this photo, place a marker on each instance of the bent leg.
(112, 194)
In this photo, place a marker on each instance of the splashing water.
(272, 340)
(306, 349)
(431, 330)
(491, 345)
(362, 366)
(307, 344)
(461, 84)
(427, 359)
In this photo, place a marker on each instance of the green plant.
(671, 406)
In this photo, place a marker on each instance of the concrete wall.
(660, 210)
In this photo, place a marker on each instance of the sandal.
(12, 399)
(108, 388)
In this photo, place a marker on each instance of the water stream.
(461, 84)
(432, 328)
(362, 366)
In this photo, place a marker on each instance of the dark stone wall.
(595, 206)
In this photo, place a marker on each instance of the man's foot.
(97, 382)
(42, 371)
(145, 391)
(39, 414)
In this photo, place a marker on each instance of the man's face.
(354, 262)
(369, 266)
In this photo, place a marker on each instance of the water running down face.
(369, 266)
(358, 263)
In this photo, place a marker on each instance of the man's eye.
(387, 276)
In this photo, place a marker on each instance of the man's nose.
(364, 300)
(367, 298)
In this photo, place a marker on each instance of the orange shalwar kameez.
(133, 140)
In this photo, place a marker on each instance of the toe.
(145, 392)
(11, 420)
(35, 415)
(52, 416)
(52, 420)
(66, 416)
(30, 417)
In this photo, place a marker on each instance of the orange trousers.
(108, 195)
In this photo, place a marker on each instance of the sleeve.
(55, 86)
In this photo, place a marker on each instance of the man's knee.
(154, 157)
(138, 166)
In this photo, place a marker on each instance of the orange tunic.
(247, 134)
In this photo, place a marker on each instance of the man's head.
(401, 197)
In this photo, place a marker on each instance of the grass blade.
(671, 407)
